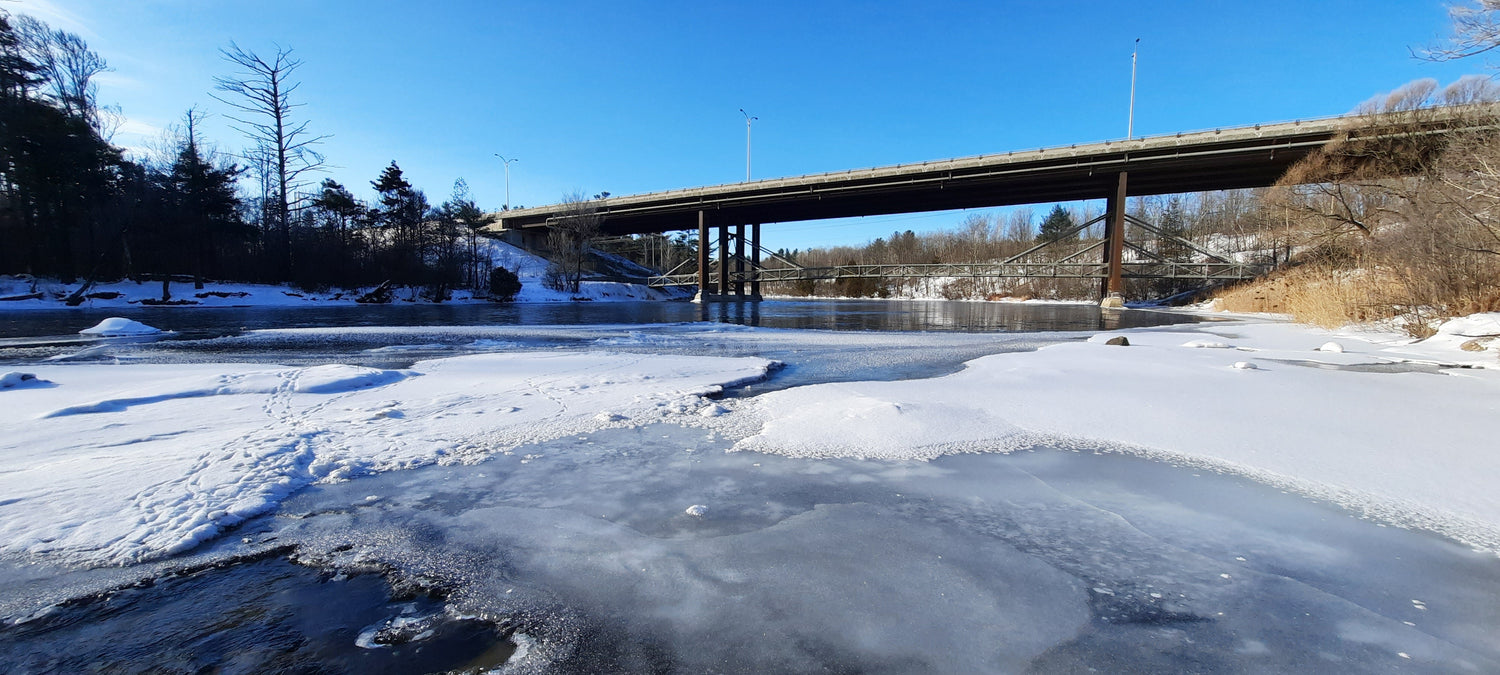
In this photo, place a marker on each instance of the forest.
(75, 207)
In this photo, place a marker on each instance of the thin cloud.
(55, 16)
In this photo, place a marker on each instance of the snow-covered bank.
(1414, 448)
(124, 463)
(21, 293)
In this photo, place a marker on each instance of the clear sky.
(632, 97)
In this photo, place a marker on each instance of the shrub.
(504, 285)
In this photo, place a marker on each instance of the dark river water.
(876, 315)
(577, 555)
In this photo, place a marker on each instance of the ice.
(1207, 344)
(117, 326)
(132, 462)
(1036, 561)
(1409, 448)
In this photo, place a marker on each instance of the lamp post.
(748, 120)
(507, 177)
(1130, 128)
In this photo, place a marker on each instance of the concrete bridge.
(1219, 159)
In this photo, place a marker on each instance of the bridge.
(1218, 159)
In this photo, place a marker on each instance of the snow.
(529, 268)
(116, 326)
(15, 379)
(122, 463)
(119, 463)
(1413, 448)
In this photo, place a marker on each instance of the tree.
(1057, 227)
(207, 206)
(570, 240)
(262, 101)
(470, 221)
(339, 211)
(1476, 30)
(504, 285)
(400, 214)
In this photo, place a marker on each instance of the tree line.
(76, 207)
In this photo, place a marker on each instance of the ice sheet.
(124, 463)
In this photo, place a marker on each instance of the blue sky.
(634, 97)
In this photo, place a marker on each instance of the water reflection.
(846, 315)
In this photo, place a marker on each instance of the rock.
(1475, 345)
(1118, 341)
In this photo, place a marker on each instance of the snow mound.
(337, 379)
(118, 326)
(1331, 347)
(697, 510)
(16, 380)
(1244, 365)
(1472, 326)
(1207, 344)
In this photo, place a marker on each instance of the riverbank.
(115, 463)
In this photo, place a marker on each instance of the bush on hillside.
(504, 285)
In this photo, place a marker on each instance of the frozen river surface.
(652, 548)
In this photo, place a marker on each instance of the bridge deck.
(1239, 157)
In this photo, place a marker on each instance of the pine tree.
(401, 211)
(207, 207)
(1057, 226)
(339, 211)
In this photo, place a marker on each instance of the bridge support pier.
(755, 262)
(703, 290)
(1112, 288)
(724, 259)
(739, 261)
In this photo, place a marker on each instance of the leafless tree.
(570, 240)
(261, 96)
(68, 66)
(1476, 30)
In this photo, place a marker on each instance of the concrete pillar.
(739, 260)
(703, 289)
(1114, 246)
(755, 262)
(723, 260)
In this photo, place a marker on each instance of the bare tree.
(1476, 30)
(68, 66)
(570, 240)
(262, 98)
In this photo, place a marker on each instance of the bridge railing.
(1213, 270)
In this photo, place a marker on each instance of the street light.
(1130, 129)
(507, 177)
(748, 120)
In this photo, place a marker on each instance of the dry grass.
(1320, 296)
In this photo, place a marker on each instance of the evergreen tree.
(339, 211)
(401, 211)
(1174, 225)
(1057, 226)
(207, 207)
